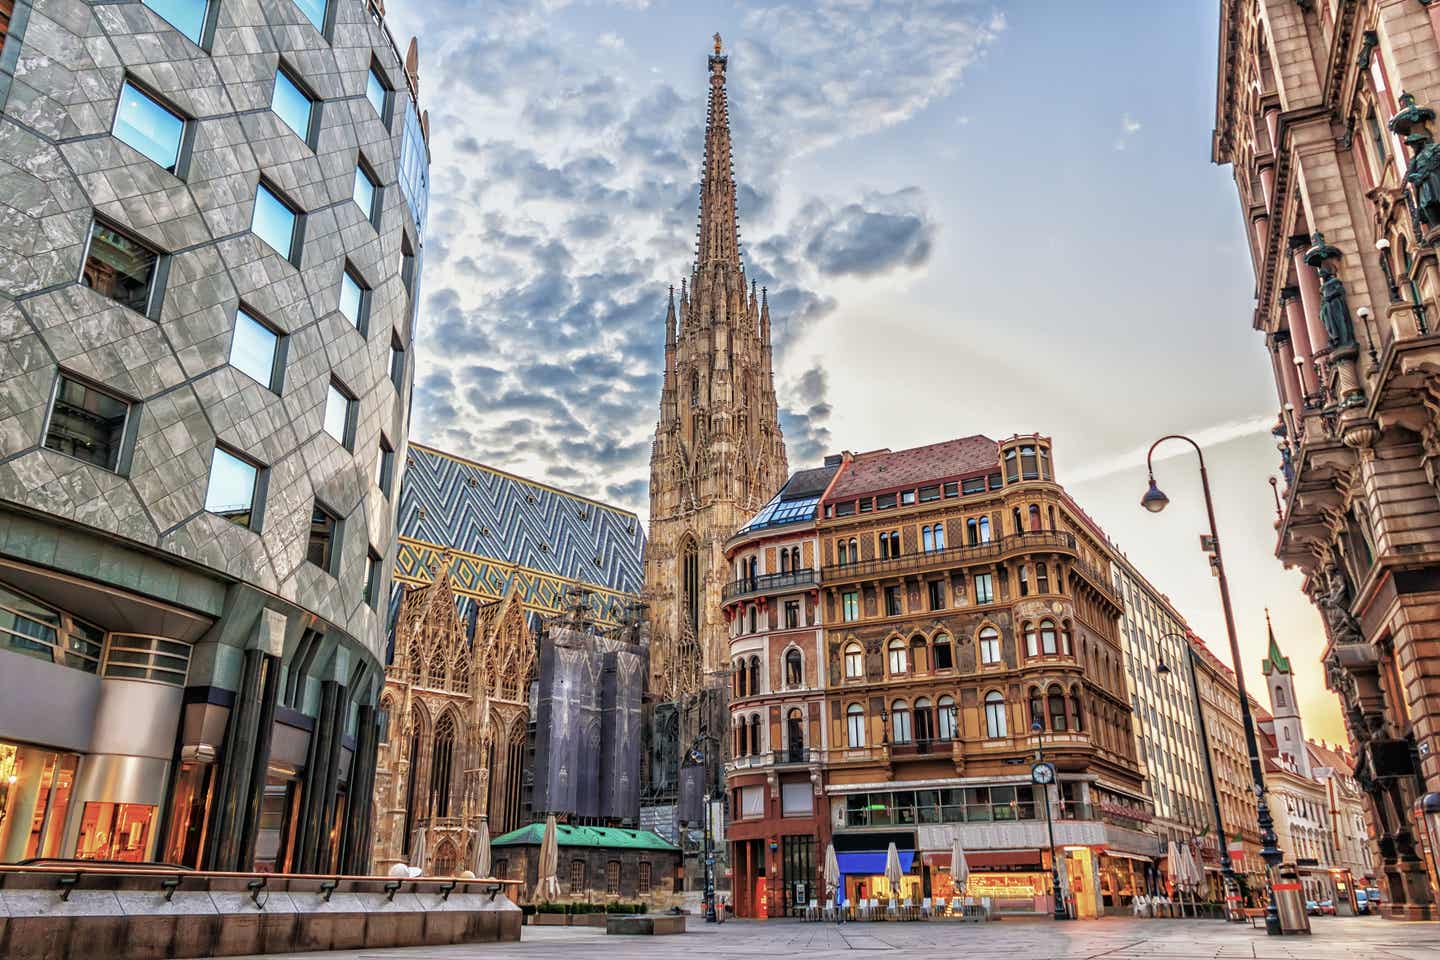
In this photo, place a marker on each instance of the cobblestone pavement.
(1114, 938)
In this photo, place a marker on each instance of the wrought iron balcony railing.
(953, 556)
(768, 583)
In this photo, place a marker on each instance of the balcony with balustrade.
(994, 551)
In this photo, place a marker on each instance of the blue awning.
(871, 862)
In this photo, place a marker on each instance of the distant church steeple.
(718, 453)
(1280, 680)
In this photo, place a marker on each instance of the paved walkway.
(1115, 938)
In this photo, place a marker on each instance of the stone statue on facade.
(1423, 174)
(1335, 606)
(1334, 309)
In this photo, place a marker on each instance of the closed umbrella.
(418, 853)
(893, 873)
(832, 877)
(547, 889)
(481, 866)
(959, 866)
(1174, 869)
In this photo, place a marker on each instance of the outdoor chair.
(829, 913)
(939, 908)
(872, 909)
(812, 910)
(892, 911)
(925, 907)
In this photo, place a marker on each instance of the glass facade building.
(190, 647)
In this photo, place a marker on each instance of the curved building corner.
(210, 252)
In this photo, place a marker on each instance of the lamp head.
(1036, 727)
(1162, 667)
(1154, 500)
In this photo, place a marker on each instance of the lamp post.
(1042, 775)
(696, 757)
(1227, 869)
(1155, 501)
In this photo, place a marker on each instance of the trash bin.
(1290, 901)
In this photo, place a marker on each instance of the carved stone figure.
(1335, 605)
(1423, 174)
(1334, 310)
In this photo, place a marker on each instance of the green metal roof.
(1275, 662)
(612, 837)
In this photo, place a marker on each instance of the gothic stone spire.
(719, 229)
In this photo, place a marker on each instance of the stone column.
(1283, 350)
(1309, 282)
(1300, 338)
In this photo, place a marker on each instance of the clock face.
(1042, 773)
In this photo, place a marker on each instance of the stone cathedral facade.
(718, 453)
(456, 697)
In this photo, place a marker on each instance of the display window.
(189, 814)
(35, 788)
(115, 831)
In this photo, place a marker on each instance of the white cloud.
(1206, 437)
(1128, 128)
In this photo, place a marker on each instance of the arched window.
(1037, 709)
(795, 735)
(1075, 713)
(794, 668)
(897, 656)
(1042, 578)
(989, 645)
(753, 619)
(690, 583)
(924, 720)
(995, 715)
(754, 675)
(941, 652)
(441, 761)
(740, 738)
(740, 689)
(1065, 637)
(842, 552)
(855, 725)
(947, 718)
(1024, 581)
(794, 558)
(695, 388)
(444, 859)
(1056, 703)
(1280, 697)
(755, 735)
(854, 661)
(1015, 516)
(984, 525)
(900, 730)
(917, 654)
(784, 561)
(1047, 636)
(1032, 640)
(1034, 518)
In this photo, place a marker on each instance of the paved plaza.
(1113, 939)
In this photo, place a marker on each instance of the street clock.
(1042, 773)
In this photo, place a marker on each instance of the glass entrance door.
(798, 872)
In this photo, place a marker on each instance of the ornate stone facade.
(1325, 111)
(456, 709)
(718, 453)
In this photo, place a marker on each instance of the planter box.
(645, 925)
(550, 920)
(587, 919)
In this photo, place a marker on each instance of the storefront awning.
(988, 859)
(871, 862)
(1129, 856)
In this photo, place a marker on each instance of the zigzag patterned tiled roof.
(506, 530)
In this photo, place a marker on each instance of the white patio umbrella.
(1064, 875)
(893, 873)
(832, 875)
(959, 866)
(481, 866)
(547, 889)
(1174, 868)
(418, 853)
(1195, 872)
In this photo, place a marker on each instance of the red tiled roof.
(1328, 757)
(897, 469)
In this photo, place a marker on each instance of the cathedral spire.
(670, 319)
(719, 228)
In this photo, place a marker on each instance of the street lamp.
(1155, 501)
(1227, 869)
(1042, 775)
(695, 757)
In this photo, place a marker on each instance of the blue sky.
(973, 218)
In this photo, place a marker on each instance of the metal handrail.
(766, 582)
(971, 553)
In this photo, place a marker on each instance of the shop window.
(189, 812)
(115, 831)
(33, 779)
(149, 126)
(187, 16)
(123, 268)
